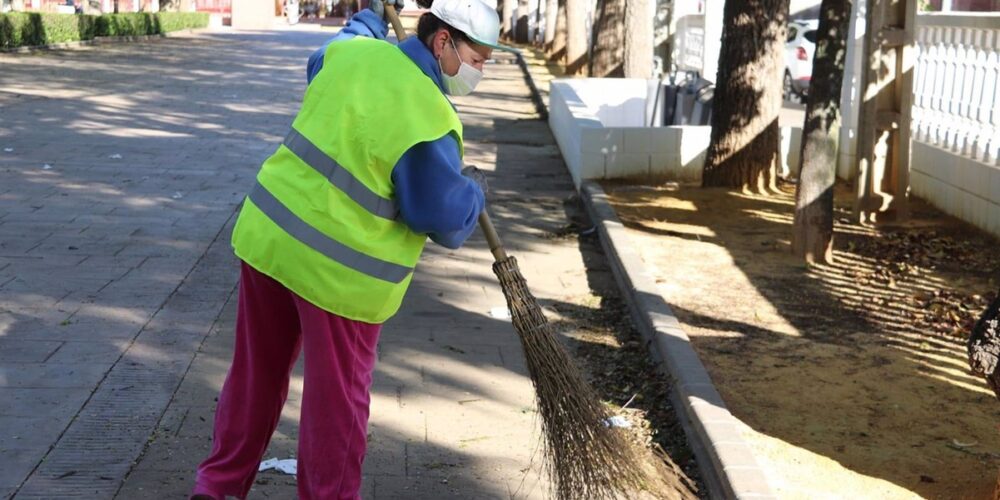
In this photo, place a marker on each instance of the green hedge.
(29, 28)
(176, 21)
(22, 29)
(136, 24)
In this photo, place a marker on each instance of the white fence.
(956, 116)
(956, 91)
(955, 163)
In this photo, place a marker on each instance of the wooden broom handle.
(492, 238)
(397, 26)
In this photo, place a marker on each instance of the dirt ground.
(599, 332)
(852, 378)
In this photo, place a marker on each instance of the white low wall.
(962, 187)
(598, 124)
(253, 14)
(955, 163)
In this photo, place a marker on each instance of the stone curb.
(536, 96)
(726, 461)
(97, 41)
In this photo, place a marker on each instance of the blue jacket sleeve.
(433, 195)
(364, 23)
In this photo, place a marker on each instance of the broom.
(586, 458)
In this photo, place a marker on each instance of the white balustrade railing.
(956, 87)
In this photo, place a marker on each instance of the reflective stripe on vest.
(340, 177)
(329, 247)
(328, 230)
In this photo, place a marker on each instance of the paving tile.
(35, 402)
(89, 351)
(17, 464)
(175, 454)
(157, 484)
(26, 351)
(46, 375)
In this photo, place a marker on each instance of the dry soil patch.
(852, 377)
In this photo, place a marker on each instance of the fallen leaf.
(961, 444)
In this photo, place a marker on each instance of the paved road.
(116, 279)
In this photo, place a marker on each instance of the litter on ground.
(287, 466)
(500, 312)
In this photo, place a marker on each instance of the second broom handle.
(484, 218)
(491, 236)
(397, 26)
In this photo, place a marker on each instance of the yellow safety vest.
(322, 218)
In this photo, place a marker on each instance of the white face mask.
(463, 82)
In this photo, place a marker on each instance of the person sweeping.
(330, 233)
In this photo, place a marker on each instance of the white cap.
(478, 19)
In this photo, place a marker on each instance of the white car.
(799, 50)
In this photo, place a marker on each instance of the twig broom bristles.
(585, 457)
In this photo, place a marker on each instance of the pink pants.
(272, 325)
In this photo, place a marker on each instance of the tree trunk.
(639, 38)
(812, 237)
(743, 152)
(576, 37)
(505, 20)
(607, 40)
(538, 22)
(996, 489)
(522, 21)
(557, 51)
(661, 32)
(983, 346)
(551, 16)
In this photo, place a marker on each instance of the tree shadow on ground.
(457, 365)
(818, 357)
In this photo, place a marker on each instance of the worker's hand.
(378, 7)
(476, 176)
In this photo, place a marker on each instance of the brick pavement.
(116, 281)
